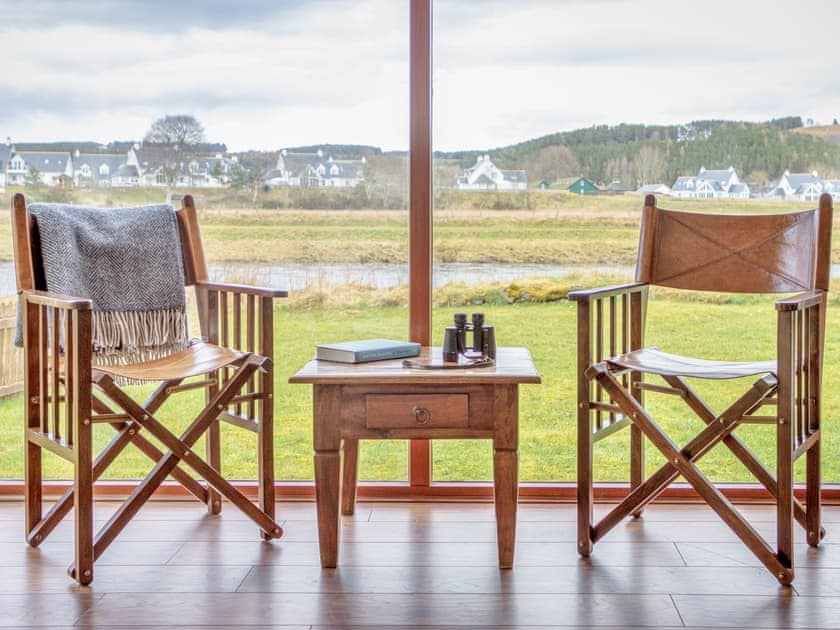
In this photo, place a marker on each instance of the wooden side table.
(383, 400)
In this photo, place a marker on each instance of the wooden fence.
(11, 357)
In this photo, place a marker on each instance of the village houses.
(802, 186)
(725, 184)
(313, 170)
(137, 164)
(711, 184)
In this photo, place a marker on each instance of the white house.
(312, 170)
(95, 170)
(711, 184)
(152, 165)
(52, 167)
(484, 175)
(139, 165)
(801, 186)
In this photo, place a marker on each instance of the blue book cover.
(367, 350)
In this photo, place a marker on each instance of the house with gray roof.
(801, 186)
(314, 170)
(53, 168)
(120, 164)
(94, 170)
(159, 165)
(711, 184)
(126, 176)
(484, 175)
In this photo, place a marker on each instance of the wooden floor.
(416, 565)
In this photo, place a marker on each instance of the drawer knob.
(421, 415)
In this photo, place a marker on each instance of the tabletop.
(513, 365)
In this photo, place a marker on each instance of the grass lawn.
(741, 330)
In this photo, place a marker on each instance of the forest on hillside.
(646, 154)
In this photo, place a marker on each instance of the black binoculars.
(455, 338)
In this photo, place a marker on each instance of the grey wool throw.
(127, 261)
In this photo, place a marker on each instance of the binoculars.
(455, 338)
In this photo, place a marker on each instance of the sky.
(266, 74)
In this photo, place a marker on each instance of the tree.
(180, 130)
(174, 138)
(386, 175)
(247, 178)
(32, 179)
(759, 177)
(554, 162)
(650, 163)
(619, 168)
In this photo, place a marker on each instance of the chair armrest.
(56, 300)
(587, 294)
(801, 301)
(242, 289)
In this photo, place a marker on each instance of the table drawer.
(410, 411)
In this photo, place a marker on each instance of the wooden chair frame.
(611, 323)
(65, 395)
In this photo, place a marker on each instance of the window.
(506, 81)
(333, 82)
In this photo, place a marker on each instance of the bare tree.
(620, 168)
(386, 175)
(173, 138)
(180, 130)
(650, 163)
(552, 163)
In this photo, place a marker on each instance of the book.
(367, 350)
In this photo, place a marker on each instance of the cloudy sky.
(263, 74)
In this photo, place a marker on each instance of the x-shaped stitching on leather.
(736, 252)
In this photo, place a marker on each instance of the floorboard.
(415, 565)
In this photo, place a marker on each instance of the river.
(295, 276)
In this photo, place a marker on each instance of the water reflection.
(295, 276)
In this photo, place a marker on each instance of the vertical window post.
(420, 207)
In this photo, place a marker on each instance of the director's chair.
(777, 253)
(68, 390)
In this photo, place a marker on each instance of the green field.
(547, 410)
(592, 231)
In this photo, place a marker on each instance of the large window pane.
(300, 174)
(551, 120)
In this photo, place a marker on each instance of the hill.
(639, 154)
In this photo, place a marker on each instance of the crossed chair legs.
(128, 425)
(682, 461)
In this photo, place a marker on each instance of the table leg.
(506, 469)
(327, 442)
(327, 492)
(350, 474)
(505, 477)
